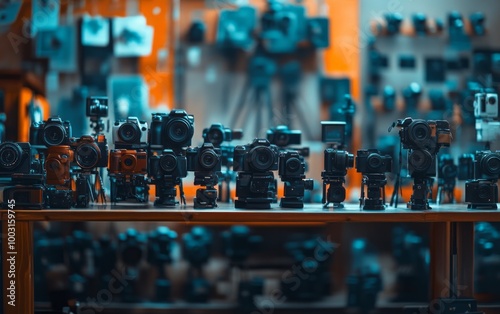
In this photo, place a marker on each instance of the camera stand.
(375, 185)
(294, 192)
(420, 197)
(255, 191)
(84, 190)
(125, 187)
(335, 193)
(206, 197)
(166, 193)
(481, 189)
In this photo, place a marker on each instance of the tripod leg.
(181, 193)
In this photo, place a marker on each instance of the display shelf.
(311, 214)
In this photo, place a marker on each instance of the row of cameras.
(161, 153)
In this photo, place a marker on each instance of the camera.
(421, 162)
(333, 132)
(59, 198)
(481, 194)
(130, 133)
(167, 164)
(172, 131)
(281, 136)
(465, 169)
(15, 158)
(370, 161)
(259, 156)
(487, 165)
(58, 165)
(126, 161)
(204, 159)
(337, 162)
(486, 106)
(97, 107)
(26, 197)
(420, 134)
(291, 170)
(447, 169)
(217, 134)
(52, 132)
(89, 153)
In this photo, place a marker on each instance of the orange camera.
(127, 161)
(89, 153)
(58, 164)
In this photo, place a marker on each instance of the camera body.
(167, 165)
(205, 158)
(58, 165)
(282, 136)
(487, 165)
(421, 134)
(130, 133)
(486, 106)
(97, 107)
(15, 158)
(89, 153)
(27, 197)
(337, 162)
(479, 192)
(173, 130)
(258, 157)
(52, 132)
(127, 162)
(371, 161)
(291, 166)
(217, 134)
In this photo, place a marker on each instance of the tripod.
(333, 191)
(446, 187)
(421, 191)
(258, 82)
(166, 192)
(375, 184)
(85, 192)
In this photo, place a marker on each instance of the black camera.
(291, 165)
(15, 158)
(89, 153)
(97, 107)
(173, 130)
(337, 162)
(465, 170)
(282, 136)
(167, 165)
(370, 161)
(130, 133)
(447, 169)
(217, 134)
(421, 134)
(204, 159)
(481, 194)
(52, 132)
(421, 162)
(487, 165)
(260, 156)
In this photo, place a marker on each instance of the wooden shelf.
(312, 214)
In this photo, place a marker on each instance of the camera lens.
(10, 155)
(168, 162)
(208, 159)
(179, 131)
(293, 165)
(484, 192)
(262, 158)
(282, 139)
(129, 132)
(128, 162)
(53, 134)
(87, 156)
(419, 131)
(337, 194)
(420, 160)
(492, 100)
(490, 164)
(215, 136)
(374, 162)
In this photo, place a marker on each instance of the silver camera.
(486, 106)
(130, 133)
